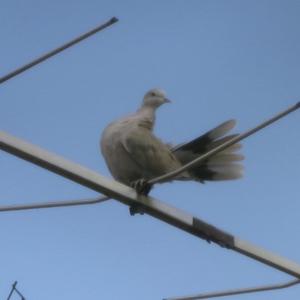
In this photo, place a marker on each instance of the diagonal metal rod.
(223, 146)
(149, 205)
(235, 292)
(57, 50)
(167, 176)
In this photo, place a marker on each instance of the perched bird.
(134, 154)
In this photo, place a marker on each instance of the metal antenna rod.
(149, 205)
(57, 50)
(52, 204)
(239, 291)
(223, 146)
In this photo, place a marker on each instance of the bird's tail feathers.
(223, 165)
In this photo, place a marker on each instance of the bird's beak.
(167, 100)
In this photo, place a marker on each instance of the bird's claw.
(141, 186)
(135, 209)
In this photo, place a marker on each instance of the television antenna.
(149, 205)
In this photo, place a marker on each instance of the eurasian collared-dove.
(134, 154)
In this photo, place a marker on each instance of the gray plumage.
(132, 152)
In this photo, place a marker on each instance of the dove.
(134, 155)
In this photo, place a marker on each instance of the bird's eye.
(152, 94)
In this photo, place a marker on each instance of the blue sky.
(216, 60)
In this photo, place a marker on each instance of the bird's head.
(155, 98)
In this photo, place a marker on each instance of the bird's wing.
(152, 156)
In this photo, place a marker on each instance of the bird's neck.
(147, 117)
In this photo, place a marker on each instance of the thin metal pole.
(223, 146)
(57, 50)
(53, 204)
(238, 291)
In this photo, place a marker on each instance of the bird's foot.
(135, 209)
(142, 186)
